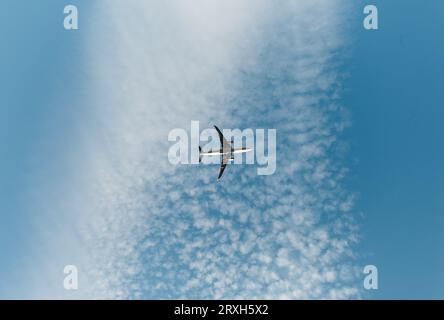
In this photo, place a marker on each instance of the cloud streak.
(152, 230)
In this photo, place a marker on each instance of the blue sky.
(40, 64)
(83, 113)
(395, 95)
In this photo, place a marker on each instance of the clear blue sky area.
(395, 94)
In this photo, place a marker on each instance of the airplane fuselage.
(221, 152)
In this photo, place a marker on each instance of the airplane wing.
(224, 144)
(225, 159)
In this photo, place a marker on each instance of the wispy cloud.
(152, 230)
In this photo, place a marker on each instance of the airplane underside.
(226, 152)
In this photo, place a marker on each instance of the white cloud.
(152, 230)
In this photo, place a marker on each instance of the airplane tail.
(200, 157)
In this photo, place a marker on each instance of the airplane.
(226, 152)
